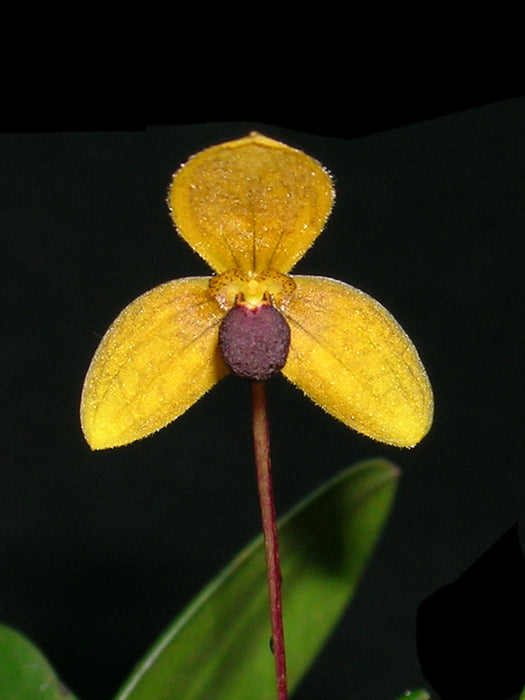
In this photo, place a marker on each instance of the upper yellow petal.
(251, 204)
(157, 358)
(350, 356)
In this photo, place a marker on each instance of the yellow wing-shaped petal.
(157, 358)
(251, 204)
(350, 356)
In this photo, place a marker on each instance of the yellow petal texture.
(158, 357)
(350, 356)
(251, 204)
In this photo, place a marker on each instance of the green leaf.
(414, 695)
(219, 647)
(25, 673)
(522, 696)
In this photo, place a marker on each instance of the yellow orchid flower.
(251, 208)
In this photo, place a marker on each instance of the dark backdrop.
(99, 551)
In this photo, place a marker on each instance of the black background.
(99, 551)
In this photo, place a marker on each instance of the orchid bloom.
(251, 208)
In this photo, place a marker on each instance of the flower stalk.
(261, 441)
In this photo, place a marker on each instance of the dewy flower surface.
(251, 208)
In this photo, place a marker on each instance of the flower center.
(251, 289)
(254, 337)
(254, 343)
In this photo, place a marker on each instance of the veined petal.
(158, 357)
(350, 356)
(251, 204)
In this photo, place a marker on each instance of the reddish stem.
(261, 441)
